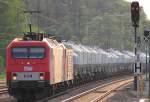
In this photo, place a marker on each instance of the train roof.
(67, 45)
(129, 53)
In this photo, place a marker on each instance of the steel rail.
(2, 82)
(3, 91)
(3, 87)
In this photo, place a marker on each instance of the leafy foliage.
(8, 19)
(104, 23)
(94, 22)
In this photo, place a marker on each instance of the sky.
(146, 6)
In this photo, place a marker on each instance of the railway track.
(78, 97)
(83, 89)
(100, 93)
(3, 88)
(3, 91)
(4, 96)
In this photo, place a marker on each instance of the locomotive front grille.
(29, 84)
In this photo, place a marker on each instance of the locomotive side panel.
(56, 61)
(51, 66)
(57, 65)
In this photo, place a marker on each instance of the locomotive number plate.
(27, 75)
(27, 68)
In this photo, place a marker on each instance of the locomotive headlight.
(41, 76)
(14, 76)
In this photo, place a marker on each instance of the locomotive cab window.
(20, 52)
(28, 52)
(36, 52)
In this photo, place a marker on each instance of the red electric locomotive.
(37, 66)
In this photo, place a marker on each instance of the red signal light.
(132, 8)
(135, 15)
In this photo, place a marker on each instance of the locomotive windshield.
(28, 52)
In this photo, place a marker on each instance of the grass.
(2, 76)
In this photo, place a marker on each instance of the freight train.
(39, 65)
